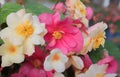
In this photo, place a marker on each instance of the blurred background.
(104, 10)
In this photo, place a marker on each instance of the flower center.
(12, 49)
(25, 29)
(57, 35)
(99, 40)
(56, 57)
(100, 75)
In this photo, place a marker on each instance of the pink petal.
(52, 43)
(37, 73)
(106, 60)
(112, 67)
(46, 18)
(71, 42)
(56, 18)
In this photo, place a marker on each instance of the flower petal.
(47, 64)
(13, 20)
(29, 48)
(58, 66)
(77, 62)
(27, 17)
(17, 58)
(21, 13)
(12, 36)
(69, 41)
(5, 61)
(37, 40)
(56, 74)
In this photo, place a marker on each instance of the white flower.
(95, 38)
(24, 29)
(11, 54)
(96, 71)
(56, 60)
(2, 2)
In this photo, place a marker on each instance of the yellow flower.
(11, 53)
(24, 29)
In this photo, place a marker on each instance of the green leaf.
(7, 9)
(1, 41)
(96, 55)
(113, 49)
(36, 8)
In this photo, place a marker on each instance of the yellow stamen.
(100, 75)
(57, 35)
(25, 29)
(98, 40)
(56, 57)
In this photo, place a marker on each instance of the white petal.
(110, 75)
(64, 58)
(81, 75)
(47, 64)
(37, 40)
(13, 20)
(56, 74)
(12, 36)
(5, 61)
(21, 13)
(77, 62)
(56, 50)
(27, 17)
(28, 48)
(58, 66)
(17, 58)
(3, 49)
(39, 27)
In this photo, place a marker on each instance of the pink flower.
(89, 13)
(112, 64)
(59, 7)
(61, 34)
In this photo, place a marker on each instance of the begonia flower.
(55, 61)
(24, 29)
(96, 71)
(61, 34)
(112, 64)
(11, 53)
(95, 38)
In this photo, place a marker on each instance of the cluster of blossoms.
(47, 46)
